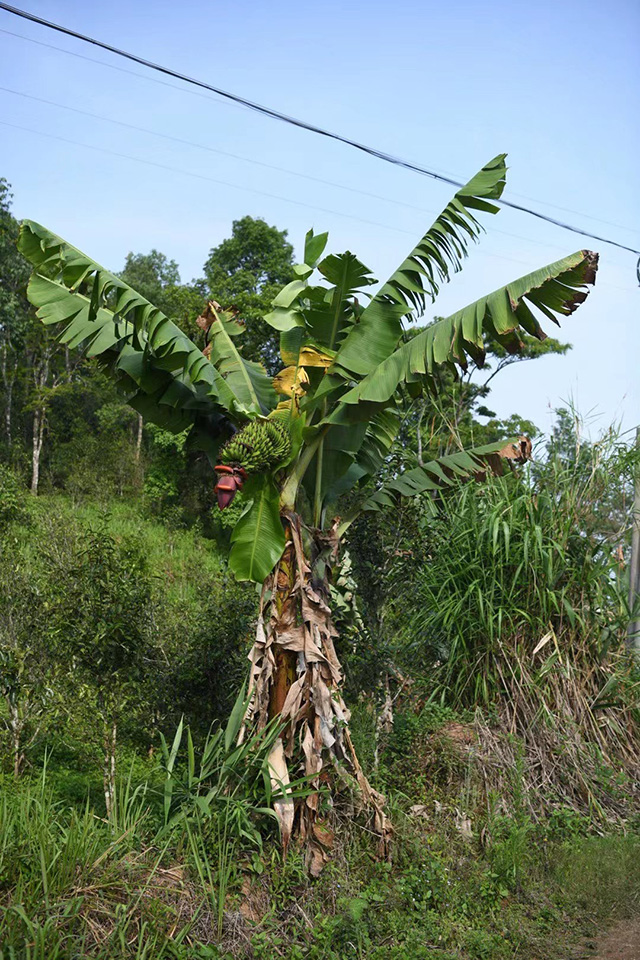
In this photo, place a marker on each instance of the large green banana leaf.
(441, 473)
(164, 374)
(419, 276)
(381, 431)
(556, 289)
(258, 538)
(336, 453)
(253, 394)
(332, 318)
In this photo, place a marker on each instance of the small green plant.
(218, 798)
(600, 873)
(483, 945)
(13, 499)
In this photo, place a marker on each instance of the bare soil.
(619, 942)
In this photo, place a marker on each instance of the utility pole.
(633, 635)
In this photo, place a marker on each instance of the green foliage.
(555, 289)
(248, 389)
(14, 271)
(432, 477)
(28, 687)
(337, 353)
(103, 611)
(418, 277)
(514, 560)
(13, 500)
(245, 272)
(601, 874)
(64, 871)
(153, 275)
(453, 416)
(258, 538)
(147, 354)
(132, 622)
(230, 782)
(175, 641)
(218, 798)
(164, 474)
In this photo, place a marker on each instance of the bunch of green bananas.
(258, 447)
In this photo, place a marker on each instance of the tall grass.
(527, 565)
(64, 874)
(521, 607)
(217, 798)
(150, 879)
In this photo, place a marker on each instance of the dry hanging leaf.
(283, 804)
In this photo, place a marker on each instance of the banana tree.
(301, 445)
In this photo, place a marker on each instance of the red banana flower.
(229, 483)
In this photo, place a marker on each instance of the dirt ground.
(620, 942)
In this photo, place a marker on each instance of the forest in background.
(487, 644)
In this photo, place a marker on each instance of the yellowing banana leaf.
(291, 381)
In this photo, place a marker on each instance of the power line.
(223, 153)
(202, 176)
(301, 124)
(237, 186)
(218, 100)
(260, 163)
(131, 73)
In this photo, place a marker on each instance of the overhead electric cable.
(219, 100)
(202, 176)
(302, 124)
(242, 187)
(222, 153)
(259, 163)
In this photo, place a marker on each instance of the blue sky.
(555, 85)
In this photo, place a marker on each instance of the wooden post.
(633, 635)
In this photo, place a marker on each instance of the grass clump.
(520, 613)
(181, 871)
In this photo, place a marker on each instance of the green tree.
(151, 274)
(297, 444)
(102, 621)
(455, 415)
(246, 271)
(27, 661)
(32, 367)
(15, 310)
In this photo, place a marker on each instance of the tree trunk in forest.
(8, 380)
(15, 721)
(8, 408)
(139, 439)
(38, 439)
(41, 377)
(295, 675)
(109, 770)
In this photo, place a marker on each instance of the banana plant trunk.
(295, 675)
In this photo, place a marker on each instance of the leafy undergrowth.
(472, 875)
